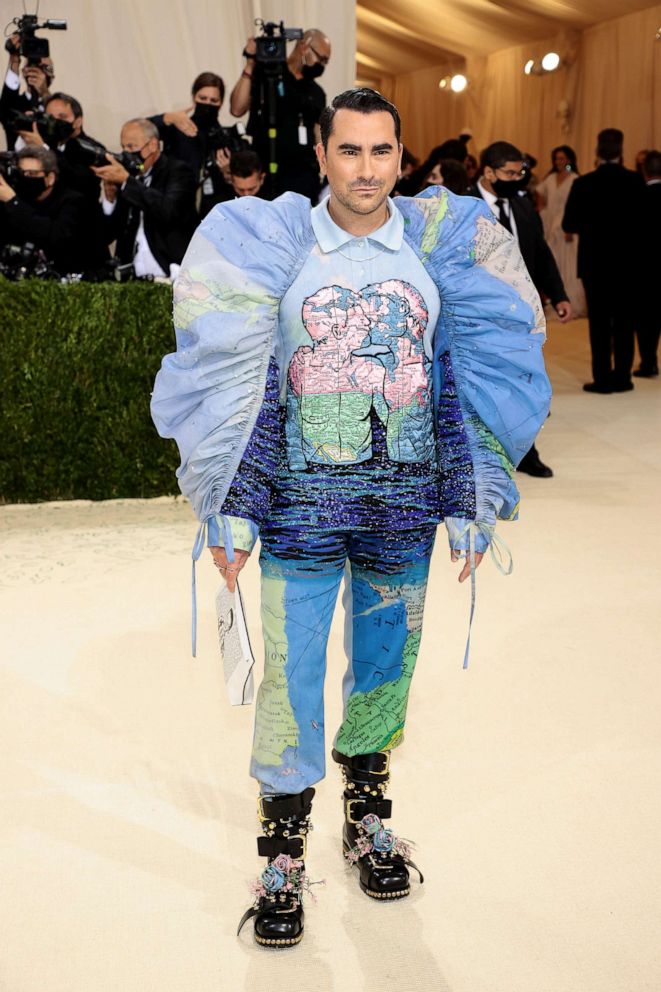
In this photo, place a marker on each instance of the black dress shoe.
(597, 387)
(532, 464)
(622, 387)
(645, 372)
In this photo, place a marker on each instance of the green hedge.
(77, 366)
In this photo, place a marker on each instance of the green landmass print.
(375, 720)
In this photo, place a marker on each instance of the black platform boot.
(278, 906)
(382, 859)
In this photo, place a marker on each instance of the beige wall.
(614, 81)
(125, 58)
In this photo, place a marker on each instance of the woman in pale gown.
(552, 193)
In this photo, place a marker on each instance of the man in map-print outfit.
(346, 378)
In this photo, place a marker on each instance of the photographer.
(38, 79)
(36, 208)
(151, 216)
(247, 175)
(61, 135)
(196, 137)
(299, 103)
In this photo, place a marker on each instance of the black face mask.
(509, 188)
(29, 187)
(313, 71)
(205, 115)
(133, 162)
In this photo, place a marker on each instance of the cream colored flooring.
(530, 781)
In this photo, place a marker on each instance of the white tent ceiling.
(395, 37)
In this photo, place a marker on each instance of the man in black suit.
(649, 321)
(151, 215)
(61, 134)
(605, 208)
(36, 208)
(502, 179)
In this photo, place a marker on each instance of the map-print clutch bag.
(235, 650)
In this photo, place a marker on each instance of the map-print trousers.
(385, 585)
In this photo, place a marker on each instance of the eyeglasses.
(33, 173)
(324, 59)
(513, 173)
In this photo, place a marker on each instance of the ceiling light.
(550, 61)
(458, 83)
(528, 67)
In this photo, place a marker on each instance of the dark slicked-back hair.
(609, 144)
(364, 101)
(70, 101)
(498, 153)
(245, 163)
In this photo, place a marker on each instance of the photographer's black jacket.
(193, 151)
(168, 205)
(301, 102)
(62, 226)
(75, 172)
(537, 255)
(15, 100)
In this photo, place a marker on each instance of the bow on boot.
(278, 907)
(382, 859)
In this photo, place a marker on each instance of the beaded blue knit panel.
(249, 493)
(457, 475)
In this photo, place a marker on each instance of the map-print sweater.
(306, 353)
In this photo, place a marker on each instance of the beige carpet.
(530, 782)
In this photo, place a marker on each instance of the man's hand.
(251, 47)
(32, 137)
(15, 52)
(181, 120)
(110, 191)
(466, 570)
(113, 173)
(563, 310)
(6, 192)
(37, 79)
(229, 570)
(223, 162)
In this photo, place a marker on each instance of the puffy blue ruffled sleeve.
(491, 390)
(209, 393)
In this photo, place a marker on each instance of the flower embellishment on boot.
(374, 838)
(283, 880)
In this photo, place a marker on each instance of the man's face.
(362, 159)
(508, 173)
(248, 185)
(33, 168)
(316, 50)
(63, 112)
(134, 140)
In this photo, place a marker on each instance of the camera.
(8, 166)
(272, 48)
(52, 130)
(32, 48)
(230, 138)
(25, 261)
(94, 154)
